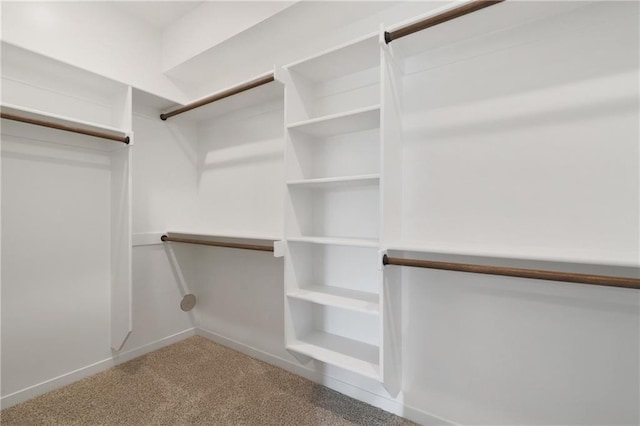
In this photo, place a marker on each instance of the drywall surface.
(524, 141)
(55, 261)
(210, 24)
(159, 283)
(300, 31)
(95, 36)
(164, 178)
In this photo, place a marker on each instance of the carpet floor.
(195, 382)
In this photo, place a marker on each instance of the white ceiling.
(158, 13)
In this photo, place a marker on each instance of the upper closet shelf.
(225, 236)
(96, 131)
(260, 90)
(349, 58)
(333, 182)
(348, 122)
(352, 242)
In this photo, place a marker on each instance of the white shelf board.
(353, 242)
(349, 58)
(226, 236)
(59, 119)
(346, 353)
(360, 180)
(336, 124)
(344, 298)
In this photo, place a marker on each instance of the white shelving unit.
(333, 280)
(60, 163)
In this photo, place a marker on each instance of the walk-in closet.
(320, 212)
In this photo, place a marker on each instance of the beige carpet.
(195, 382)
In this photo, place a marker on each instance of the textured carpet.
(195, 382)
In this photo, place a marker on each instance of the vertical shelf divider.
(391, 219)
(121, 232)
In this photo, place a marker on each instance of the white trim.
(380, 401)
(89, 370)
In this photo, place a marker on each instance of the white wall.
(95, 36)
(55, 260)
(210, 24)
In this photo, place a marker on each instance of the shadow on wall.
(177, 257)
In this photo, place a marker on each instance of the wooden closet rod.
(432, 21)
(123, 139)
(604, 280)
(218, 243)
(216, 97)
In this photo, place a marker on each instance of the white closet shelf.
(346, 353)
(359, 180)
(344, 298)
(353, 242)
(60, 119)
(348, 58)
(358, 120)
(226, 236)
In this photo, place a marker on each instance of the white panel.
(164, 178)
(351, 154)
(159, 283)
(516, 351)
(240, 295)
(56, 262)
(343, 212)
(121, 304)
(241, 172)
(538, 153)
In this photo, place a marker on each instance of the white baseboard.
(81, 373)
(380, 401)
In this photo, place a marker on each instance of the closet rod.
(221, 95)
(218, 243)
(432, 21)
(604, 280)
(43, 123)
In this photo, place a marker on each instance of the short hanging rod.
(432, 21)
(221, 95)
(258, 247)
(52, 125)
(602, 280)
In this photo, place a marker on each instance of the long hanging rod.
(432, 21)
(52, 125)
(603, 280)
(258, 247)
(221, 95)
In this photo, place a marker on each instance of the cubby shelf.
(358, 120)
(352, 57)
(339, 297)
(359, 180)
(346, 353)
(353, 242)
